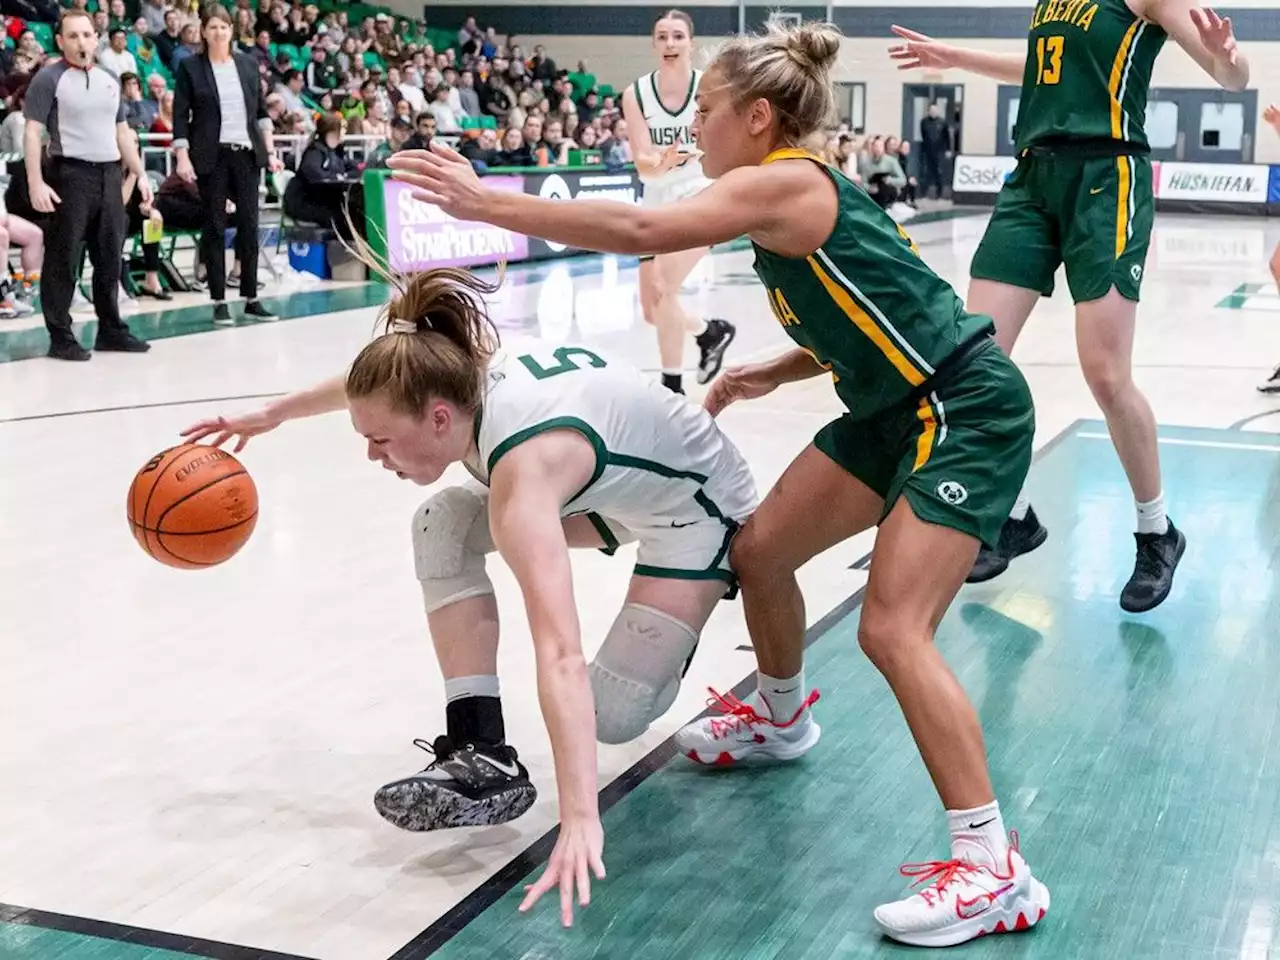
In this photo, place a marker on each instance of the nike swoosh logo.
(965, 908)
(511, 770)
(977, 826)
(677, 526)
(1094, 193)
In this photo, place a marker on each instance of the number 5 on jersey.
(1049, 55)
(565, 362)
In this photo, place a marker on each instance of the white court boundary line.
(1215, 444)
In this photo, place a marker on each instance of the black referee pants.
(91, 213)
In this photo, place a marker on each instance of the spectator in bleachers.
(398, 82)
(153, 11)
(140, 43)
(469, 36)
(245, 35)
(140, 114)
(882, 175)
(401, 133)
(515, 152)
(493, 98)
(137, 211)
(116, 57)
(291, 92)
(375, 122)
(261, 50)
(902, 150)
(163, 122)
(446, 120)
(553, 138)
(102, 26)
(170, 38)
(542, 67)
(482, 151)
(326, 181)
(189, 46)
(321, 74)
(424, 131)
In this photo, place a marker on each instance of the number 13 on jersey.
(1049, 56)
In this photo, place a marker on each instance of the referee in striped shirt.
(79, 104)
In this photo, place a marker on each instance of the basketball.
(192, 506)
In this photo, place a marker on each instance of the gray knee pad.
(636, 675)
(450, 540)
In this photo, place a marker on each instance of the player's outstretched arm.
(528, 487)
(763, 201)
(922, 52)
(325, 397)
(1272, 115)
(1207, 38)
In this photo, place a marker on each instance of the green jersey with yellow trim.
(864, 304)
(660, 460)
(1088, 73)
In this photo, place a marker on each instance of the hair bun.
(815, 45)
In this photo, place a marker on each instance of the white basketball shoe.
(746, 730)
(963, 901)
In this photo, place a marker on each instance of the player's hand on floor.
(738, 383)
(577, 854)
(223, 429)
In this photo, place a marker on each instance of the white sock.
(459, 688)
(669, 372)
(1020, 506)
(1151, 518)
(978, 835)
(698, 326)
(783, 696)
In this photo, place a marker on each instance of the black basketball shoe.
(1016, 538)
(712, 343)
(1153, 569)
(473, 785)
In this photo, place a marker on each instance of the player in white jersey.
(659, 109)
(1272, 384)
(567, 449)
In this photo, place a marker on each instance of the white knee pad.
(636, 675)
(450, 540)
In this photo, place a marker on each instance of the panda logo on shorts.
(952, 492)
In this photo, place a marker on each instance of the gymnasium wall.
(612, 39)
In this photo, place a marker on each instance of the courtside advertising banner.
(1214, 182)
(981, 174)
(623, 186)
(420, 235)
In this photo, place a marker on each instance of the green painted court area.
(1137, 757)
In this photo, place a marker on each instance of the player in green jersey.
(1082, 196)
(934, 447)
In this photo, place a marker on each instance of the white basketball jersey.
(657, 454)
(666, 128)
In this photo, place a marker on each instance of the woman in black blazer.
(221, 141)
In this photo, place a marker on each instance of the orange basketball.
(192, 506)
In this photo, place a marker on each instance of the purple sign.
(420, 235)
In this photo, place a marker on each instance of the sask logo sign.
(982, 174)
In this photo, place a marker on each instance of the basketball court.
(191, 756)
